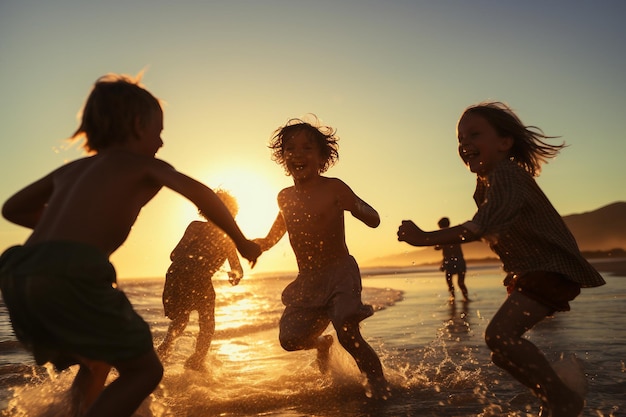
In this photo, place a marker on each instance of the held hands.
(408, 232)
(250, 250)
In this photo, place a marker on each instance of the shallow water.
(432, 352)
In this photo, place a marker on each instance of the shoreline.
(615, 267)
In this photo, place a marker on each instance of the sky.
(392, 77)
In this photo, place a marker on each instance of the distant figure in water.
(60, 287)
(328, 286)
(201, 252)
(545, 269)
(453, 263)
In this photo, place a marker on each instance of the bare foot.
(571, 400)
(196, 363)
(568, 406)
(378, 389)
(323, 352)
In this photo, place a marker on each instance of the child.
(453, 263)
(198, 256)
(544, 266)
(59, 286)
(328, 286)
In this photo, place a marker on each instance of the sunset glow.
(256, 198)
(393, 81)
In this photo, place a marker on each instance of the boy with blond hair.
(59, 286)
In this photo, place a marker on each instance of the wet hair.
(443, 222)
(229, 201)
(113, 107)
(529, 150)
(323, 136)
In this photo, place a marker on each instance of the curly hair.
(114, 105)
(529, 150)
(324, 136)
(229, 201)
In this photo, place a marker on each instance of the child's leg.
(88, 383)
(137, 379)
(349, 336)
(300, 328)
(323, 351)
(206, 323)
(176, 327)
(522, 359)
(450, 284)
(461, 283)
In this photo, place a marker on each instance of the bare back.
(205, 246)
(96, 200)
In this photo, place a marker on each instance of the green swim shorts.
(63, 301)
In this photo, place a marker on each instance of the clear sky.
(392, 76)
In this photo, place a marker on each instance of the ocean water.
(432, 350)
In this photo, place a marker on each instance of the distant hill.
(599, 230)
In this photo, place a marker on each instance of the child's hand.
(408, 232)
(234, 277)
(250, 250)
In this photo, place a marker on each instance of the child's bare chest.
(310, 210)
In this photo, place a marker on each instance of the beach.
(432, 350)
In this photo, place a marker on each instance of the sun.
(256, 197)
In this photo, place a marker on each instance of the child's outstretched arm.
(366, 213)
(25, 207)
(408, 232)
(208, 202)
(277, 231)
(349, 201)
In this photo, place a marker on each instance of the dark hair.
(113, 107)
(444, 222)
(529, 148)
(323, 136)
